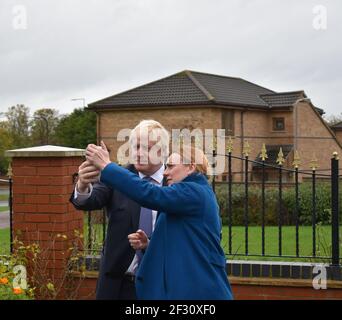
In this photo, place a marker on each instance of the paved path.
(4, 191)
(4, 216)
(4, 220)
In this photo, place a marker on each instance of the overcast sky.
(95, 48)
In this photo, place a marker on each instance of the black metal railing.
(95, 229)
(281, 171)
(335, 210)
(333, 178)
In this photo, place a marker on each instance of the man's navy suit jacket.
(123, 218)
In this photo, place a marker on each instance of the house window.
(278, 124)
(228, 122)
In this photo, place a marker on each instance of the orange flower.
(17, 290)
(3, 280)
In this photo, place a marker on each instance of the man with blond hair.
(148, 145)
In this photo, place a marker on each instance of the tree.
(333, 119)
(6, 143)
(77, 129)
(18, 125)
(43, 126)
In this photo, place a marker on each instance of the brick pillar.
(42, 214)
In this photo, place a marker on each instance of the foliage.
(323, 204)
(6, 143)
(51, 286)
(20, 130)
(42, 281)
(43, 126)
(333, 119)
(18, 125)
(13, 285)
(78, 129)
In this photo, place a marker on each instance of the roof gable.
(231, 90)
(282, 99)
(198, 88)
(175, 89)
(337, 125)
(189, 87)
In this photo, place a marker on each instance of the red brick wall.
(255, 289)
(41, 209)
(282, 289)
(338, 134)
(314, 139)
(253, 292)
(87, 290)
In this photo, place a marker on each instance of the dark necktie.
(145, 221)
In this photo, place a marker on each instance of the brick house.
(337, 129)
(247, 112)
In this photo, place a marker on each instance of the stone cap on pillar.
(45, 151)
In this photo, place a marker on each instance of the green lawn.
(3, 197)
(323, 241)
(96, 235)
(4, 241)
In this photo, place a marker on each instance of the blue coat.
(184, 259)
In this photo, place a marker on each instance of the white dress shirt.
(157, 177)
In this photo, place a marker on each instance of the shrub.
(323, 204)
(13, 284)
(41, 283)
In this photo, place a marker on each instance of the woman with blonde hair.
(183, 259)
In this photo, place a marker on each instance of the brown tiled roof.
(228, 90)
(177, 89)
(189, 87)
(337, 126)
(196, 88)
(283, 98)
(272, 153)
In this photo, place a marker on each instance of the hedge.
(323, 204)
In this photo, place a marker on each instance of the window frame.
(274, 122)
(228, 113)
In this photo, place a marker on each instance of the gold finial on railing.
(230, 145)
(280, 159)
(335, 155)
(263, 154)
(314, 163)
(296, 160)
(246, 149)
(9, 171)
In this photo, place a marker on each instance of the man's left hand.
(98, 155)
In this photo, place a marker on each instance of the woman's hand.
(138, 240)
(98, 156)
